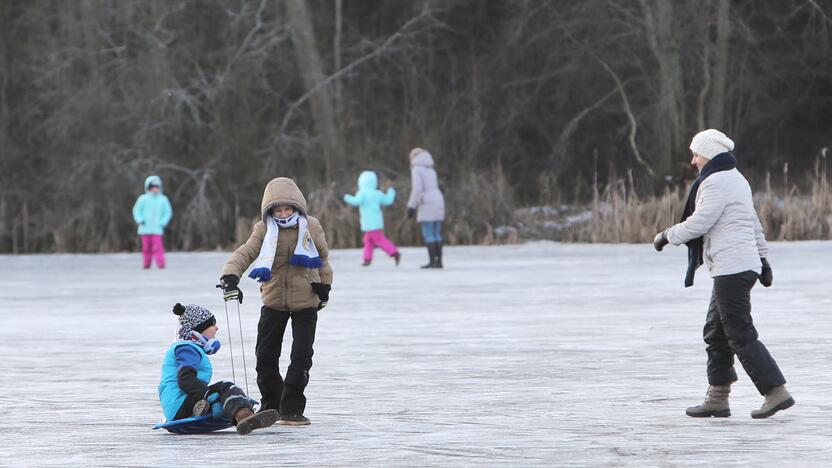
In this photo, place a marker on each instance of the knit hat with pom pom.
(192, 318)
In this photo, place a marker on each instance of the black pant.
(285, 396)
(232, 398)
(729, 330)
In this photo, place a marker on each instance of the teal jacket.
(170, 395)
(369, 200)
(152, 211)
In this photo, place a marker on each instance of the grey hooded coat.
(425, 195)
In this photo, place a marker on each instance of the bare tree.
(521, 102)
(311, 68)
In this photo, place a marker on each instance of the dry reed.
(619, 214)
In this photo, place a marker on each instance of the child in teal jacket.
(185, 388)
(152, 212)
(369, 200)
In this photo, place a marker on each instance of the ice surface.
(541, 354)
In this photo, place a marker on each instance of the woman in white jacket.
(427, 203)
(721, 227)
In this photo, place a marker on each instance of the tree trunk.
(336, 53)
(670, 118)
(312, 72)
(702, 98)
(715, 117)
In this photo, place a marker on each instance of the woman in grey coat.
(427, 203)
(720, 226)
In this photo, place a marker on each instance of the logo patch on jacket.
(307, 240)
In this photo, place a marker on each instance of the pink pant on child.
(152, 247)
(373, 239)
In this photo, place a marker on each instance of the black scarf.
(721, 162)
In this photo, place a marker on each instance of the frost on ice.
(539, 354)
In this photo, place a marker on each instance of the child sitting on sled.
(184, 389)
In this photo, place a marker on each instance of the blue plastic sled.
(201, 424)
(195, 425)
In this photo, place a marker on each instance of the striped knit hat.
(192, 318)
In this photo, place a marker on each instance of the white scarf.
(306, 254)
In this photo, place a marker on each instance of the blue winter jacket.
(152, 211)
(369, 200)
(170, 395)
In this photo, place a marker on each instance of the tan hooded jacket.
(290, 287)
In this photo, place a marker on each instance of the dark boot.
(715, 404)
(776, 400)
(397, 257)
(201, 407)
(294, 420)
(437, 263)
(248, 421)
(431, 255)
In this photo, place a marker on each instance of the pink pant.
(373, 239)
(152, 246)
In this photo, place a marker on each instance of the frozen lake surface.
(541, 354)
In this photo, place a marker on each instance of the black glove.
(411, 213)
(766, 277)
(660, 241)
(322, 290)
(230, 288)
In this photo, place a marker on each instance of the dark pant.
(286, 396)
(232, 398)
(729, 330)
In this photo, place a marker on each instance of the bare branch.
(384, 47)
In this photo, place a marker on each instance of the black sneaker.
(293, 420)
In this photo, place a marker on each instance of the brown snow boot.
(431, 255)
(247, 420)
(715, 404)
(397, 257)
(777, 399)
